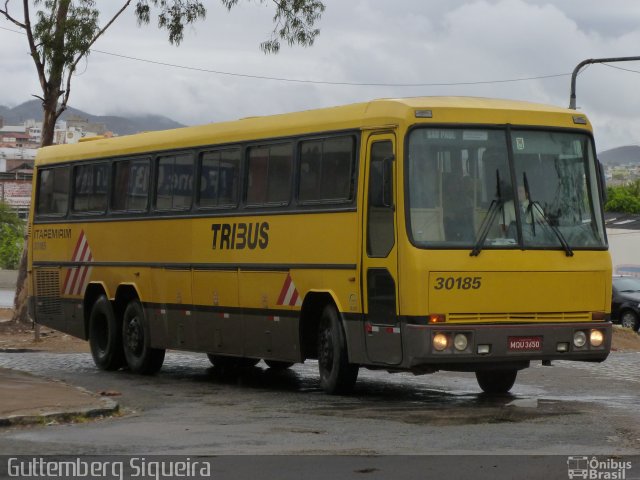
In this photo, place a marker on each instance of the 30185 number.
(458, 283)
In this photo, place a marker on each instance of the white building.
(623, 231)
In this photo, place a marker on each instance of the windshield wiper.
(496, 205)
(554, 229)
(534, 204)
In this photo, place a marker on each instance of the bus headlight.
(579, 339)
(460, 342)
(596, 337)
(440, 342)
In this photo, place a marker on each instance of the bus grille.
(48, 302)
(553, 317)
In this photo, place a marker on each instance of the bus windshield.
(503, 188)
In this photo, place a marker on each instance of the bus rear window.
(53, 191)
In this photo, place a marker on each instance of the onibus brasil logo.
(597, 469)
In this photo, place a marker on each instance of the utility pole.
(574, 75)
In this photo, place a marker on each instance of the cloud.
(366, 41)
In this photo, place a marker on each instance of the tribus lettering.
(238, 236)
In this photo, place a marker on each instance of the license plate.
(525, 344)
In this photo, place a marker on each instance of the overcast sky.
(361, 41)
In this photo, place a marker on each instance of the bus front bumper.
(473, 347)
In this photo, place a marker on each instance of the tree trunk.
(20, 312)
(48, 125)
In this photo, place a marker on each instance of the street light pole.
(574, 75)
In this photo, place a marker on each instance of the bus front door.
(383, 334)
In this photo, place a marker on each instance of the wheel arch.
(91, 294)
(312, 307)
(125, 293)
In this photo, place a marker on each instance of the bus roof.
(376, 113)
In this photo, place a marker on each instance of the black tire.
(629, 319)
(496, 381)
(225, 361)
(105, 336)
(136, 340)
(278, 365)
(337, 375)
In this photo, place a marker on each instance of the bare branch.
(39, 62)
(5, 11)
(72, 67)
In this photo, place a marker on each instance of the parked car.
(625, 303)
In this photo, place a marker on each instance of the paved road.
(193, 409)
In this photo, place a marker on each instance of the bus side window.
(380, 228)
(90, 188)
(53, 191)
(130, 186)
(326, 170)
(175, 182)
(219, 171)
(269, 174)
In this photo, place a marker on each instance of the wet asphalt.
(191, 408)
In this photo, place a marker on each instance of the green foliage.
(173, 15)
(11, 238)
(624, 199)
(64, 29)
(294, 19)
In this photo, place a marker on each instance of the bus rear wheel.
(141, 357)
(496, 382)
(337, 375)
(105, 338)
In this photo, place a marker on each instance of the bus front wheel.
(337, 375)
(105, 337)
(141, 357)
(496, 381)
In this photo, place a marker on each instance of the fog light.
(484, 349)
(440, 341)
(460, 342)
(562, 347)
(596, 338)
(579, 339)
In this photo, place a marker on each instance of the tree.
(11, 237)
(624, 199)
(65, 30)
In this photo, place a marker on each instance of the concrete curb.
(29, 399)
(107, 407)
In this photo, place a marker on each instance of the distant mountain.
(621, 155)
(119, 125)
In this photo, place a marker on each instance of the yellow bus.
(419, 234)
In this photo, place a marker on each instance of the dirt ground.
(23, 337)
